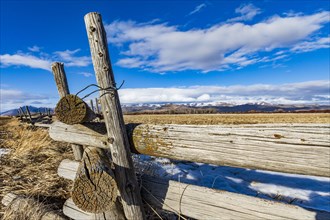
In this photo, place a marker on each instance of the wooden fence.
(38, 118)
(103, 171)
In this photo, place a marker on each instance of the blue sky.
(170, 51)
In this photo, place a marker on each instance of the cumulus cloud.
(197, 9)
(25, 60)
(162, 47)
(247, 12)
(12, 98)
(44, 60)
(303, 93)
(69, 59)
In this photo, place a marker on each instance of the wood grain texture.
(205, 203)
(17, 202)
(60, 79)
(301, 148)
(73, 212)
(290, 148)
(111, 109)
(70, 109)
(63, 90)
(94, 189)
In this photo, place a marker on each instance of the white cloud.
(86, 74)
(69, 59)
(34, 48)
(25, 60)
(44, 60)
(304, 92)
(307, 46)
(161, 47)
(11, 98)
(197, 8)
(247, 13)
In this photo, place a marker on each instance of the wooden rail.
(290, 148)
(16, 202)
(204, 203)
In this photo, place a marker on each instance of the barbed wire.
(108, 89)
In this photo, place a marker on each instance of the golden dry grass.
(31, 166)
(213, 119)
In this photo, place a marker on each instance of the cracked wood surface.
(290, 148)
(113, 117)
(205, 203)
(94, 188)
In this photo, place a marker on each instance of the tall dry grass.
(30, 168)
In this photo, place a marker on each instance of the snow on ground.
(4, 151)
(306, 191)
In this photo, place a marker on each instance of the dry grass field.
(213, 119)
(30, 168)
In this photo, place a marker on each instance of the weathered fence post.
(92, 106)
(97, 109)
(25, 116)
(29, 114)
(20, 114)
(63, 90)
(110, 105)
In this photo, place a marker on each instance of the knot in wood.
(129, 187)
(100, 54)
(92, 29)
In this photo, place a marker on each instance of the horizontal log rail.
(290, 148)
(16, 202)
(73, 212)
(200, 202)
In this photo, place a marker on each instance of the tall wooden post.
(110, 105)
(63, 90)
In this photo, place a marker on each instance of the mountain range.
(184, 108)
(32, 109)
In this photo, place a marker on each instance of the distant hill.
(33, 110)
(205, 108)
(200, 108)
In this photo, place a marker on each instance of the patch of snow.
(4, 151)
(306, 191)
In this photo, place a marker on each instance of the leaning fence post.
(25, 116)
(110, 105)
(63, 90)
(29, 114)
(92, 106)
(97, 109)
(20, 114)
